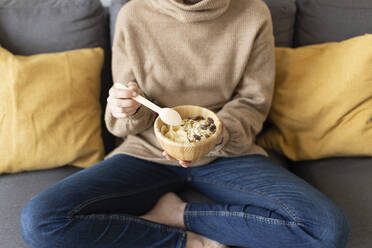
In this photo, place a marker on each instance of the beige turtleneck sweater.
(218, 54)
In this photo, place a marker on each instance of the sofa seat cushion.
(347, 181)
(15, 191)
(320, 21)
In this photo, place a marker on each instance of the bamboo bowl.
(190, 152)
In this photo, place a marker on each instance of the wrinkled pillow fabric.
(49, 110)
(322, 105)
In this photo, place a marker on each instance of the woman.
(213, 53)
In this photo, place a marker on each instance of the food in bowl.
(191, 130)
(189, 151)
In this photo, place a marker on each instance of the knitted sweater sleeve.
(122, 73)
(246, 112)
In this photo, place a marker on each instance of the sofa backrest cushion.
(114, 11)
(42, 26)
(320, 21)
(47, 26)
(283, 13)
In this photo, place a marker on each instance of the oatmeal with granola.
(191, 130)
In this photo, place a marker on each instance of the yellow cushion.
(49, 110)
(322, 105)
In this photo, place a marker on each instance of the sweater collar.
(204, 10)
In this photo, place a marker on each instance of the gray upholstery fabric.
(114, 11)
(321, 21)
(348, 182)
(43, 26)
(15, 191)
(283, 14)
(40, 26)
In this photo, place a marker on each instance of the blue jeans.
(258, 204)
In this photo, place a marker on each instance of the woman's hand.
(120, 101)
(183, 163)
(187, 164)
(220, 138)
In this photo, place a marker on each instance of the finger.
(169, 157)
(120, 115)
(120, 93)
(123, 103)
(123, 93)
(184, 164)
(119, 110)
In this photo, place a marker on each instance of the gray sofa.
(37, 26)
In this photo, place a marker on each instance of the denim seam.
(114, 195)
(235, 187)
(243, 215)
(187, 220)
(129, 218)
(182, 245)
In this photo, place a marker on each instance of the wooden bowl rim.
(194, 144)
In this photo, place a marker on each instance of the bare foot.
(197, 241)
(168, 210)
